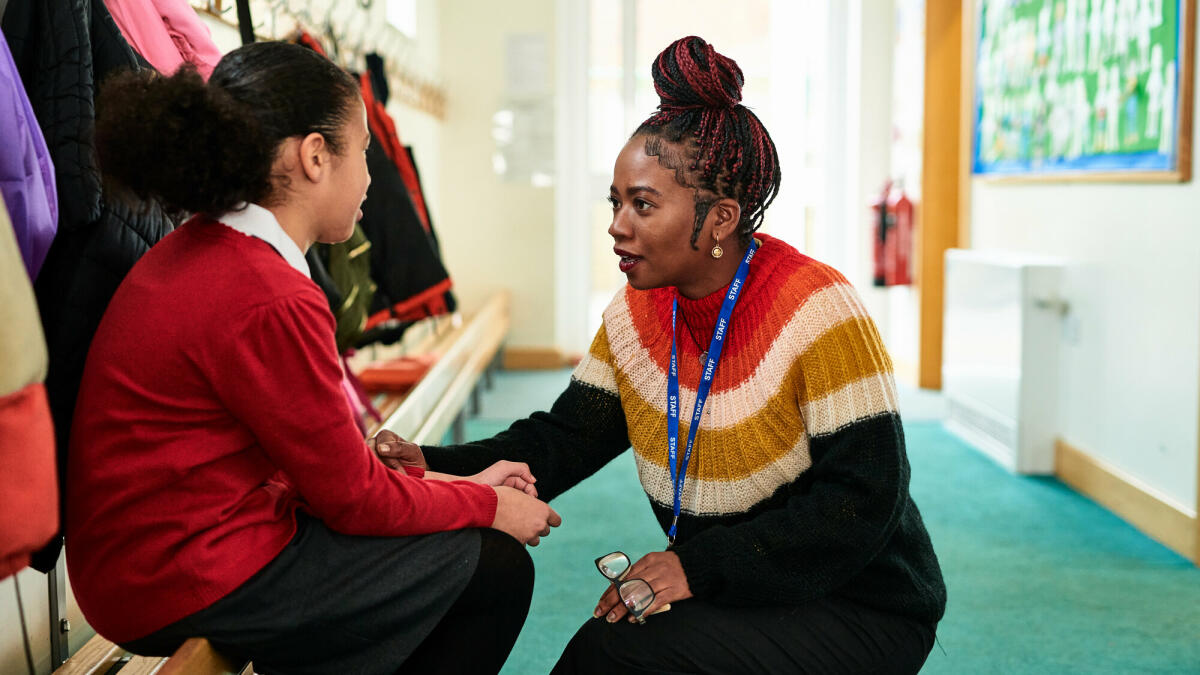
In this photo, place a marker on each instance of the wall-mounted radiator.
(1000, 355)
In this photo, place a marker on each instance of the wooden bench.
(467, 348)
(194, 657)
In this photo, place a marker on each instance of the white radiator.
(1000, 355)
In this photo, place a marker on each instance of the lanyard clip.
(671, 532)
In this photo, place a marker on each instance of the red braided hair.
(713, 143)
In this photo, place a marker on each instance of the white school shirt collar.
(255, 221)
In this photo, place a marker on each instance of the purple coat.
(26, 173)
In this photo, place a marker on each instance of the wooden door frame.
(944, 220)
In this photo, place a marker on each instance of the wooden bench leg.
(197, 657)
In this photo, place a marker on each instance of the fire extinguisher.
(879, 233)
(898, 253)
(892, 237)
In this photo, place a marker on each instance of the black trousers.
(827, 636)
(333, 603)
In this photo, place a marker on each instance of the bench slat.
(194, 657)
(142, 665)
(488, 334)
(97, 656)
(426, 413)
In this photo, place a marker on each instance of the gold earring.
(717, 251)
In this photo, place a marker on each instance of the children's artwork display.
(1083, 89)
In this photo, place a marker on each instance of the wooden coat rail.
(466, 353)
(410, 88)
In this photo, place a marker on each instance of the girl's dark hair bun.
(181, 141)
(207, 147)
(690, 74)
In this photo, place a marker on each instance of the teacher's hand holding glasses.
(632, 590)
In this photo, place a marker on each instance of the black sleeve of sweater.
(840, 514)
(584, 430)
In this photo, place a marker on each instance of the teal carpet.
(1040, 579)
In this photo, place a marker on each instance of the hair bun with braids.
(702, 133)
(689, 74)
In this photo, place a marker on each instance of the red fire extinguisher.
(892, 232)
(899, 239)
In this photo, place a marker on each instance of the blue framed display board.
(1083, 89)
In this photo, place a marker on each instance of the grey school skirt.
(333, 603)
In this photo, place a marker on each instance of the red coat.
(28, 482)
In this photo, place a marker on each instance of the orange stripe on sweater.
(767, 304)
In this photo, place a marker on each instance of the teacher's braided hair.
(714, 144)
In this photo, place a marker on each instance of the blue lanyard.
(706, 378)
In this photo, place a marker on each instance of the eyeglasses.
(636, 594)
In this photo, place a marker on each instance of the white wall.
(573, 249)
(416, 128)
(859, 143)
(869, 54)
(900, 322)
(1130, 374)
(495, 234)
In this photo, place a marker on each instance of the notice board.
(1083, 89)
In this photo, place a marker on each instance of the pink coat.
(167, 33)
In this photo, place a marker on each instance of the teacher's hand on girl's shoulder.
(395, 452)
(512, 474)
(663, 571)
(524, 518)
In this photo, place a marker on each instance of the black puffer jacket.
(63, 50)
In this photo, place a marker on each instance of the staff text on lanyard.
(706, 379)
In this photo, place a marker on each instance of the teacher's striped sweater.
(798, 484)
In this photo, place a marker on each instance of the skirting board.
(1109, 486)
(535, 358)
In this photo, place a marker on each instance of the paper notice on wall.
(523, 124)
(526, 66)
